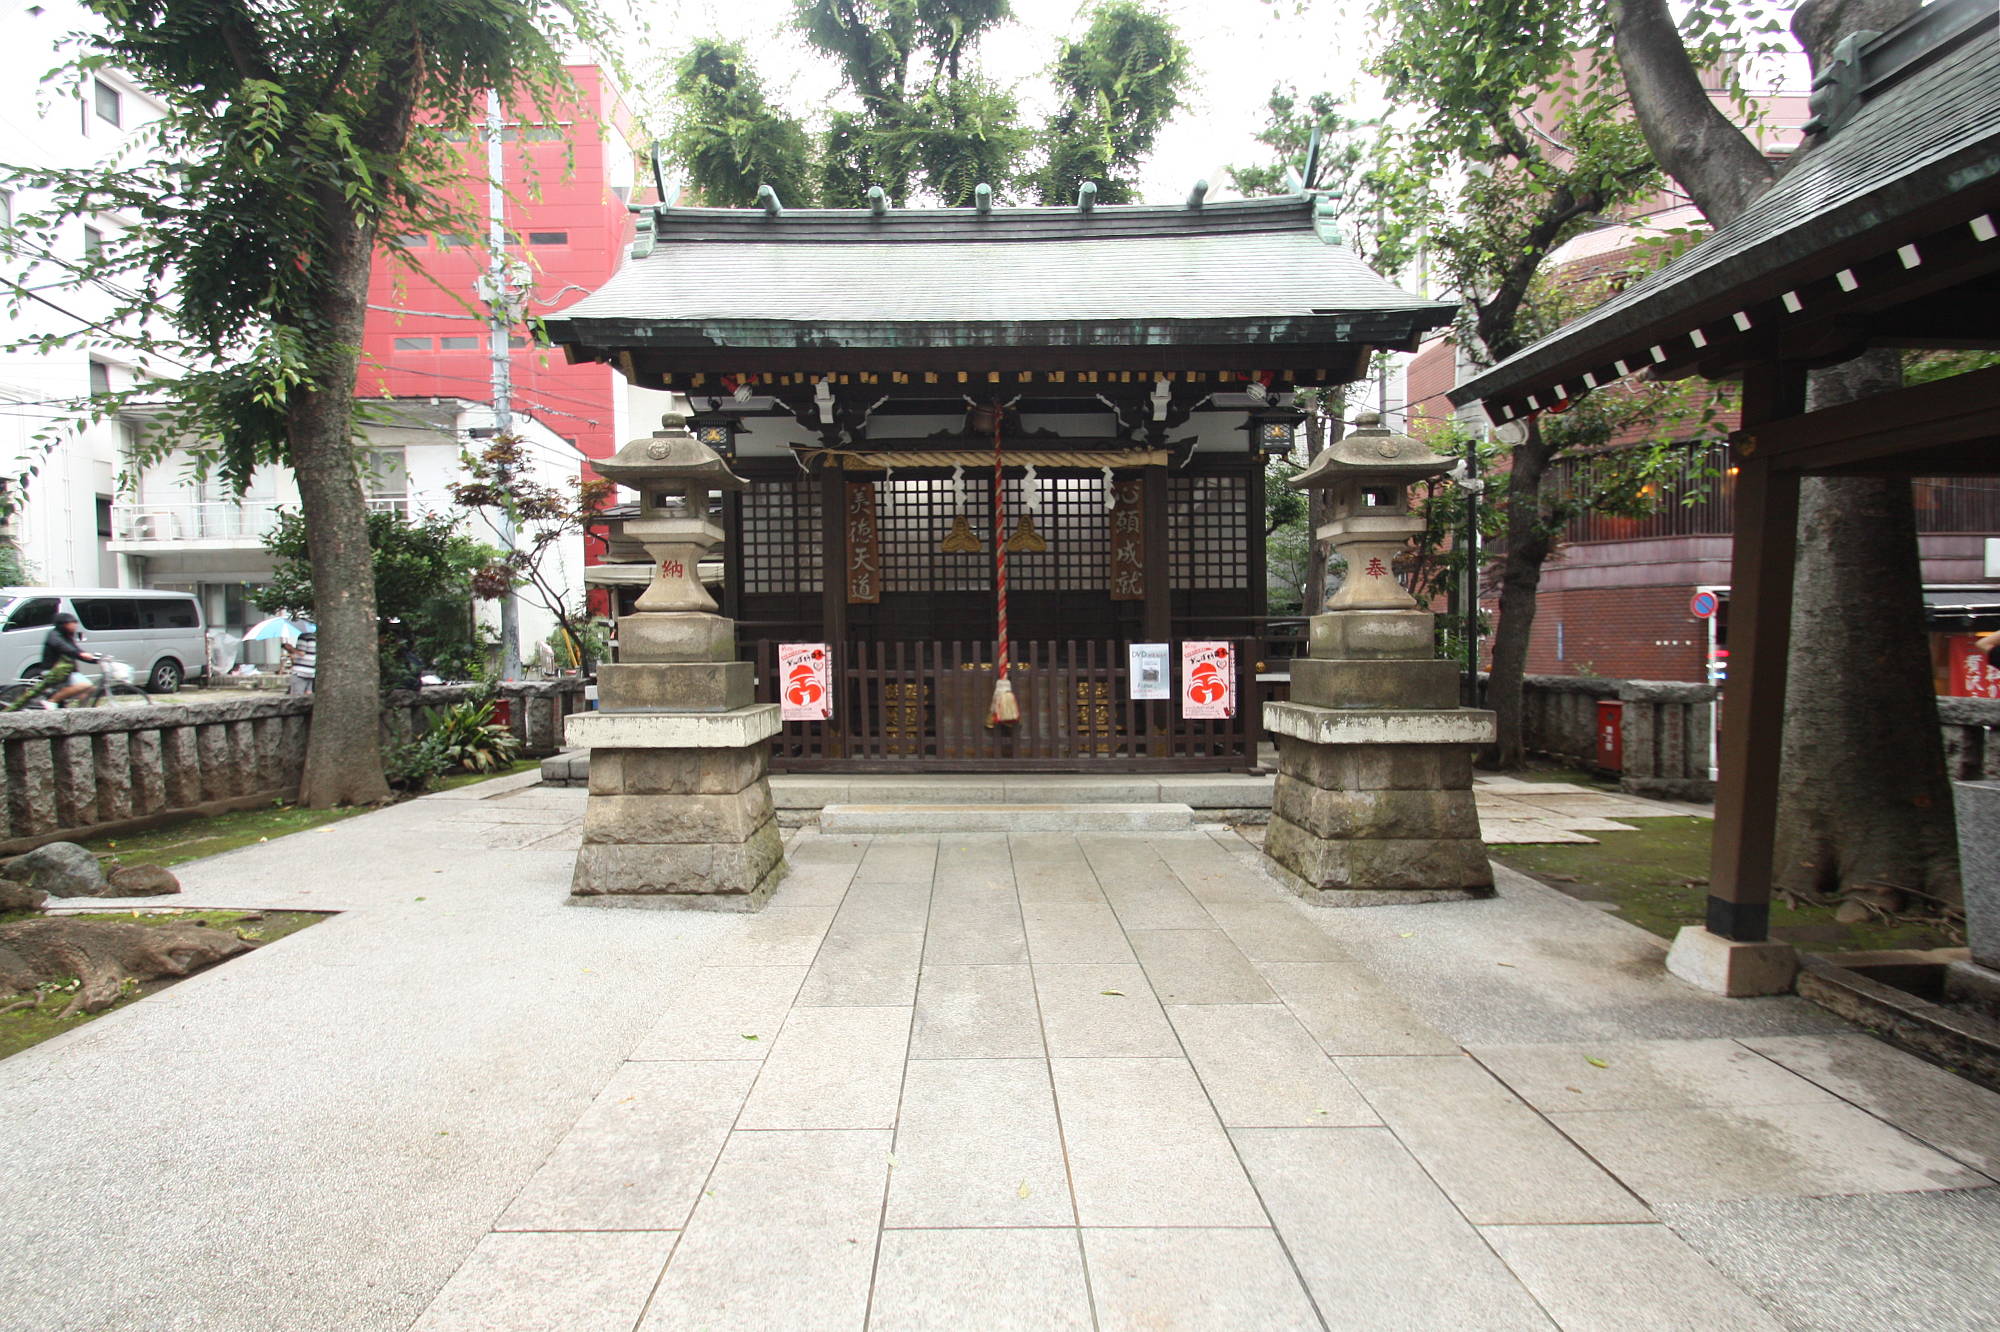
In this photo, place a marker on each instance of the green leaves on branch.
(924, 121)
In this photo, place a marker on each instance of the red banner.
(1208, 681)
(805, 682)
(1967, 673)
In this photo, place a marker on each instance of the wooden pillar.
(732, 554)
(1763, 556)
(1259, 599)
(833, 558)
(1159, 626)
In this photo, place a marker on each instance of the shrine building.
(1131, 366)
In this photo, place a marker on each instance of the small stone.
(60, 869)
(143, 881)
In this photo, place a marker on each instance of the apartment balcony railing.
(214, 522)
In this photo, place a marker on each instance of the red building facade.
(566, 181)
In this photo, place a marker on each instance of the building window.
(93, 240)
(448, 242)
(517, 343)
(100, 379)
(416, 242)
(459, 344)
(548, 238)
(412, 344)
(6, 209)
(105, 99)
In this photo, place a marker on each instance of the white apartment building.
(61, 524)
(174, 531)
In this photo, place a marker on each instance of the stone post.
(1373, 803)
(679, 812)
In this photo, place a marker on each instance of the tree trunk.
(1528, 546)
(1868, 807)
(344, 747)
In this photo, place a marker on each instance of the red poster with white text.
(805, 682)
(1971, 676)
(1208, 681)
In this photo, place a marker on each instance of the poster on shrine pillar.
(805, 682)
(1148, 673)
(1208, 681)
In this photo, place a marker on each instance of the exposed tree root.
(104, 955)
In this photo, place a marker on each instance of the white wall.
(50, 125)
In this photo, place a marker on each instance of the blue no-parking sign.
(1702, 604)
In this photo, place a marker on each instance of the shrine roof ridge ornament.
(969, 222)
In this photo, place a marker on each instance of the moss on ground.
(1657, 875)
(211, 834)
(31, 1026)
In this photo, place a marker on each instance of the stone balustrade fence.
(1971, 752)
(1664, 730)
(99, 770)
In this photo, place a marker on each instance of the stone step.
(1153, 817)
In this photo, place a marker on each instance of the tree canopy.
(922, 119)
(289, 138)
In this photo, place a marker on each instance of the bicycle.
(112, 687)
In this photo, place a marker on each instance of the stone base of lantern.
(1374, 807)
(679, 813)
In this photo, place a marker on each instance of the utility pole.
(499, 307)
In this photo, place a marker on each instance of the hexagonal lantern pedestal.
(679, 812)
(1373, 804)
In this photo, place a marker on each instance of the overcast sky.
(1241, 49)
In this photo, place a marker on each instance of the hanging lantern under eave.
(717, 430)
(1274, 430)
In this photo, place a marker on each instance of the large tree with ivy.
(289, 141)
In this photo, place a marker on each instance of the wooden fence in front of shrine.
(903, 706)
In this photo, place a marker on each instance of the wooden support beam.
(1763, 556)
(1159, 574)
(1960, 410)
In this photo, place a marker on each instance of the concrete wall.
(102, 769)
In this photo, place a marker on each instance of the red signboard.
(805, 682)
(1967, 673)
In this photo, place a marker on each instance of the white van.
(158, 634)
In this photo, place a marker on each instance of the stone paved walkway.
(1122, 1081)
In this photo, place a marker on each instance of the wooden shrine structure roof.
(1233, 286)
(1884, 232)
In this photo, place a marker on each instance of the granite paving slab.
(869, 1105)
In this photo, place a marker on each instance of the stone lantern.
(680, 807)
(1373, 802)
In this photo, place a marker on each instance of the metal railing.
(246, 521)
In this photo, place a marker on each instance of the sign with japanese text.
(1128, 542)
(805, 682)
(864, 544)
(1969, 675)
(1208, 681)
(1150, 668)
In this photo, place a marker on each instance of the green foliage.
(498, 485)
(415, 766)
(927, 122)
(729, 137)
(15, 571)
(1121, 82)
(423, 584)
(468, 740)
(284, 148)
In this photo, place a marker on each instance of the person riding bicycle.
(60, 654)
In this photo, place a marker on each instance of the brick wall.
(1628, 633)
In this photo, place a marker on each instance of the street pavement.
(1107, 1080)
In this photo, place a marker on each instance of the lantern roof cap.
(671, 454)
(1370, 452)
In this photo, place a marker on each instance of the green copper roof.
(1242, 273)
